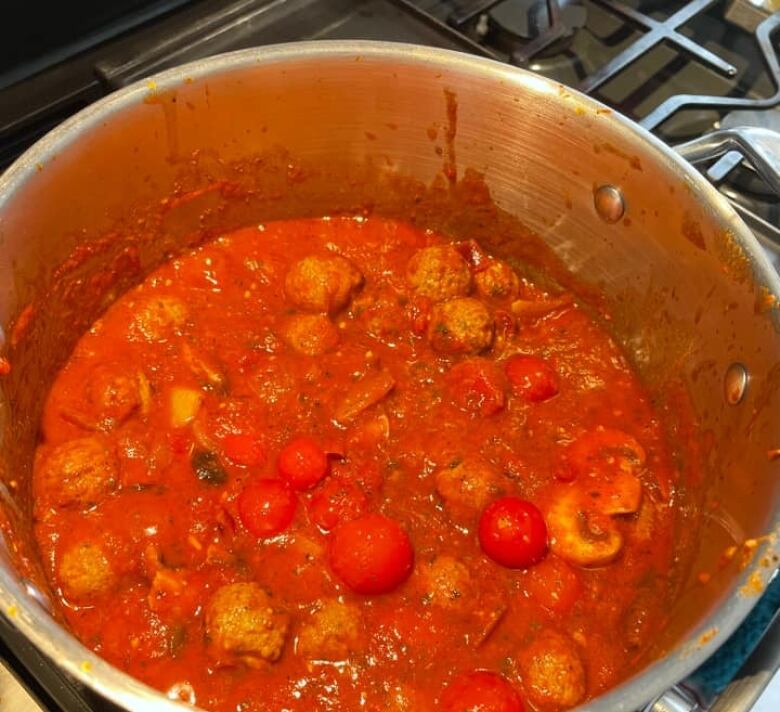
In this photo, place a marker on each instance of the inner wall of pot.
(470, 149)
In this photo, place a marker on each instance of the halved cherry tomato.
(480, 691)
(477, 386)
(302, 463)
(531, 378)
(244, 449)
(337, 501)
(266, 507)
(512, 532)
(371, 554)
(554, 585)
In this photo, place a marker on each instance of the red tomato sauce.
(268, 473)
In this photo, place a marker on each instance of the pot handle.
(759, 146)
(744, 690)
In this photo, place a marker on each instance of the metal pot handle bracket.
(741, 693)
(760, 147)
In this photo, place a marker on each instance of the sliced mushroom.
(619, 494)
(208, 374)
(166, 585)
(604, 450)
(580, 518)
(536, 308)
(579, 532)
(368, 391)
(488, 617)
(144, 393)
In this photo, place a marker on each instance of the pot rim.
(36, 624)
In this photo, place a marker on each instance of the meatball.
(84, 573)
(497, 281)
(552, 671)
(79, 472)
(322, 284)
(332, 632)
(460, 326)
(157, 317)
(447, 583)
(113, 396)
(243, 625)
(311, 334)
(439, 272)
(467, 487)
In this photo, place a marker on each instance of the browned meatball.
(497, 281)
(113, 396)
(552, 672)
(460, 326)
(332, 632)
(439, 272)
(467, 487)
(242, 624)
(156, 318)
(79, 472)
(85, 573)
(322, 284)
(447, 583)
(311, 334)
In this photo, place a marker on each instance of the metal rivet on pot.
(609, 203)
(735, 383)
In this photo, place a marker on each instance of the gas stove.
(680, 69)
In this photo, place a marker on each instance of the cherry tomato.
(371, 554)
(512, 532)
(266, 507)
(302, 463)
(244, 449)
(480, 691)
(531, 378)
(335, 502)
(477, 386)
(554, 585)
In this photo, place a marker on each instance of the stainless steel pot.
(326, 127)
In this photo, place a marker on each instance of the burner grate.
(561, 22)
(468, 16)
(648, 68)
(558, 28)
(658, 32)
(464, 13)
(764, 34)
